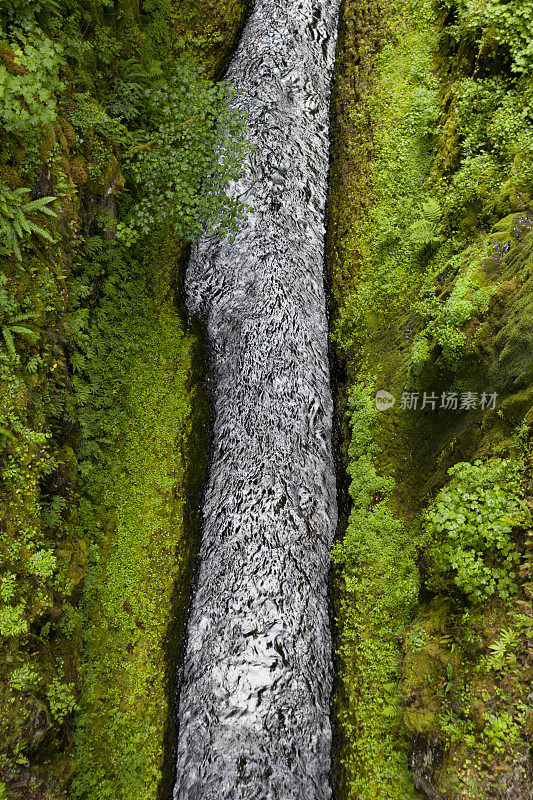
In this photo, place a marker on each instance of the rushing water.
(255, 692)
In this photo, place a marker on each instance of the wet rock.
(517, 783)
(426, 759)
(36, 724)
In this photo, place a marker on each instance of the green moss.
(465, 704)
(425, 666)
(93, 413)
(140, 575)
(429, 262)
(211, 28)
(376, 585)
(144, 495)
(504, 341)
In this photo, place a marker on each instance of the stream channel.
(255, 690)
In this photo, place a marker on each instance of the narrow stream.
(254, 707)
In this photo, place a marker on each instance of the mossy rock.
(110, 177)
(68, 131)
(78, 171)
(509, 231)
(425, 663)
(10, 176)
(9, 58)
(36, 723)
(76, 556)
(515, 193)
(504, 341)
(46, 145)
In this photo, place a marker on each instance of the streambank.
(145, 518)
(102, 409)
(429, 258)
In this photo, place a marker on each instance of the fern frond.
(15, 246)
(17, 226)
(421, 232)
(40, 205)
(26, 333)
(431, 211)
(41, 231)
(10, 342)
(33, 364)
(14, 221)
(22, 317)
(6, 432)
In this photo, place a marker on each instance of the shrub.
(182, 164)
(470, 523)
(28, 98)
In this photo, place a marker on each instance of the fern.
(500, 657)
(129, 90)
(14, 221)
(423, 231)
(13, 326)
(51, 516)
(33, 364)
(431, 211)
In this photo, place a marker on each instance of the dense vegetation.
(115, 147)
(430, 260)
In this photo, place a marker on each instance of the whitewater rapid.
(254, 703)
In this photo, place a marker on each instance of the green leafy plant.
(470, 525)
(23, 677)
(502, 650)
(42, 563)
(89, 117)
(29, 95)
(82, 86)
(129, 87)
(424, 231)
(379, 578)
(500, 655)
(14, 220)
(51, 514)
(13, 620)
(182, 165)
(450, 678)
(61, 698)
(448, 317)
(420, 351)
(418, 638)
(8, 584)
(501, 732)
(510, 24)
(13, 327)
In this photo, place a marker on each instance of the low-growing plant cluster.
(377, 586)
(469, 527)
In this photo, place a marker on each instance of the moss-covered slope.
(430, 265)
(102, 416)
